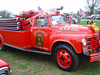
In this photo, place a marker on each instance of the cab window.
(42, 22)
(59, 19)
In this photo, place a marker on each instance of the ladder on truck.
(10, 23)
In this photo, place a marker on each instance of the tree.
(93, 6)
(5, 14)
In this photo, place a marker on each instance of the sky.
(15, 6)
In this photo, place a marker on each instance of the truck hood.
(73, 28)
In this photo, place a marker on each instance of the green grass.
(85, 23)
(25, 63)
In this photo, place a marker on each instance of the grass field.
(85, 23)
(25, 63)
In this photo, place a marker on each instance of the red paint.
(99, 42)
(92, 42)
(4, 64)
(16, 38)
(63, 58)
(99, 39)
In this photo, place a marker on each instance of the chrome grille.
(93, 42)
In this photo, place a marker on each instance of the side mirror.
(31, 23)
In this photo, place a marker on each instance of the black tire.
(73, 56)
(3, 48)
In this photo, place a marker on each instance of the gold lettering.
(64, 28)
(61, 28)
(40, 31)
(68, 29)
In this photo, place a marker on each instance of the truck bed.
(13, 34)
(16, 38)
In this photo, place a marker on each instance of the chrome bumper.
(95, 56)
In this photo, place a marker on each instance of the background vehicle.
(4, 68)
(97, 18)
(74, 20)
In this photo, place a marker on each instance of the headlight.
(84, 42)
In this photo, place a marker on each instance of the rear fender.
(1, 39)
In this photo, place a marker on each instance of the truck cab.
(52, 34)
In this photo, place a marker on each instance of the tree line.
(5, 14)
(92, 7)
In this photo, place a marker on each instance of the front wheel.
(65, 57)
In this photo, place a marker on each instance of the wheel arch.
(62, 42)
(1, 38)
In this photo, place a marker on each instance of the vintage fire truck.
(4, 68)
(51, 34)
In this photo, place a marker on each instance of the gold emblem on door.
(39, 40)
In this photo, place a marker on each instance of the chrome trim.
(95, 58)
(9, 19)
(17, 23)
(4, 70)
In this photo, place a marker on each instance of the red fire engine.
(51, 34)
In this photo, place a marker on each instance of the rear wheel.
(65, 58)
(0, 44)
(2, 47)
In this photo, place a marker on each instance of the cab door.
(42, 33)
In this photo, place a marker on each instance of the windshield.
(59, 19)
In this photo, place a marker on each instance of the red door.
(41, 33)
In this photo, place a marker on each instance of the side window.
(42, 22)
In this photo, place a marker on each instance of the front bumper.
(95, 56)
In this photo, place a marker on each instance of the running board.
(29, 50)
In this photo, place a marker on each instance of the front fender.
(77, 46)
(64, 41)
(99, 43)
